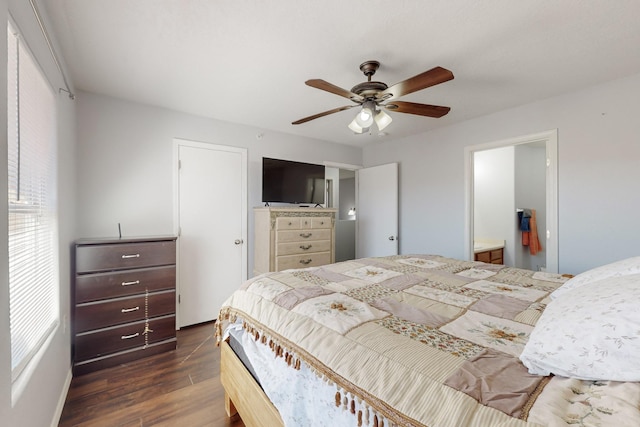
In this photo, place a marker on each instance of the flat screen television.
(286, 181)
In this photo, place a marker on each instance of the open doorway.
(341, 195)
(505, 177)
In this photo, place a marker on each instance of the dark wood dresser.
(124, 300)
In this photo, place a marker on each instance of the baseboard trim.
(63, 397)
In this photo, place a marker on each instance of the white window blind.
(32, 233)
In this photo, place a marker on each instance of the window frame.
(21, 370)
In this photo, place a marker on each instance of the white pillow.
(615, 269)
(592, 333)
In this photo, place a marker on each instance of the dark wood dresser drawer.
(93, 287)
(93, 258)
(95, 315)
(109, 340)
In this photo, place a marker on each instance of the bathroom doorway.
(505, 177)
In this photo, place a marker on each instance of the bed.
(425, 340)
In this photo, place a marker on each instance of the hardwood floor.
(177, 388)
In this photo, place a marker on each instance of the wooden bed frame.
(243, 395)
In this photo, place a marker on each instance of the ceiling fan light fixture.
(365, 117)
(355, 127)
(382, 120)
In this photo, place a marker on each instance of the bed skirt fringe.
(364, 413)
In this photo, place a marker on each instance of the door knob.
(238, 241)
(392, 238)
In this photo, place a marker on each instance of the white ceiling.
(246, 61)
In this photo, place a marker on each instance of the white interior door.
(212, 221)
(377, 211)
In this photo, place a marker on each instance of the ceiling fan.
(371, 95)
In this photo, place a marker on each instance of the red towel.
(534, 242)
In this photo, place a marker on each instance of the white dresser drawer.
(292, 248)
(302, 235)
(302, 261)
(320, 222)
(288, 223)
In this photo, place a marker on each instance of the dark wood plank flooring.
(177, 388)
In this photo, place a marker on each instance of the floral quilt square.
(499, 334)
(477, 273)
(338, 312)
(372, 274)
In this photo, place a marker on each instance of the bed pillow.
(592, 333)
(615, 269)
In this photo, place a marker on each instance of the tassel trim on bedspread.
(375, 414)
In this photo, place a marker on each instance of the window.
(32, 231)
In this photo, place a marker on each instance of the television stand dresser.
(288, 237)
(124, 300)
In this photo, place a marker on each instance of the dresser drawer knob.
(135, 282)
(305, 247)
(128, 337)
(131, 256)
(306, 235)
(129, 310)
(305, 261)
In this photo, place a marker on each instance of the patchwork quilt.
(423, 340)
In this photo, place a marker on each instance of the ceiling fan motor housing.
(368, 89)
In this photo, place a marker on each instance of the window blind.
(32, 230)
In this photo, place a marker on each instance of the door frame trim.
(550, 138)
(177, 143)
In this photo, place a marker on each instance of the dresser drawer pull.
(306, 235)
(129, 310)
(305, 247)
(126, 337)
(131, 256)
(135, 282)
(305, 261)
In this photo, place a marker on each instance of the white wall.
(125, 163)
(40, 402)
(494, 200)
(598, 152)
